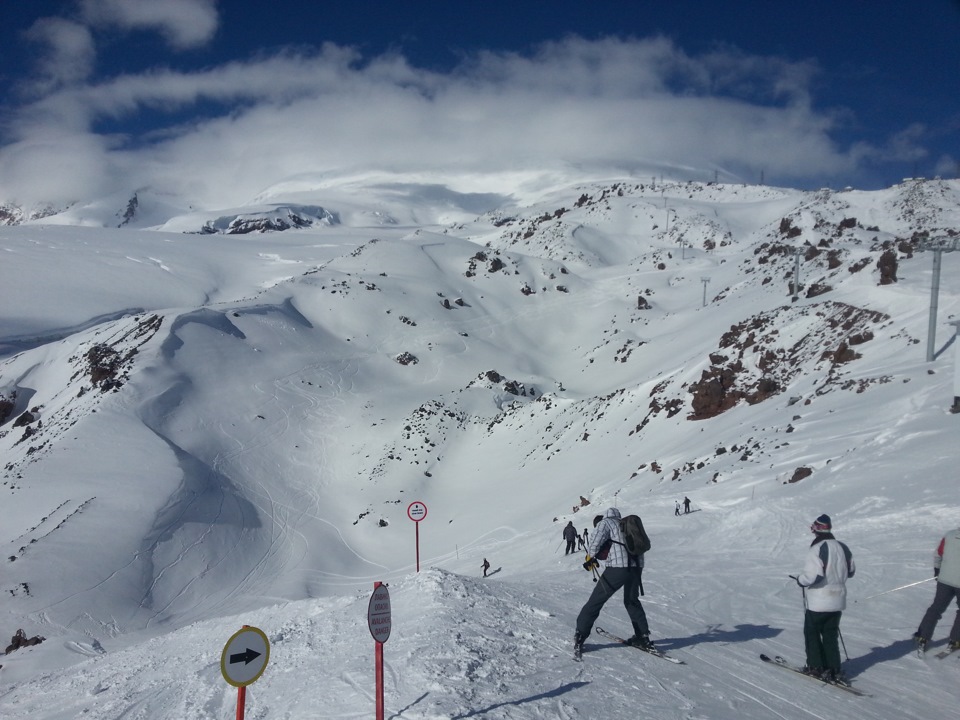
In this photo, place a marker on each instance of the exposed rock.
(276, 219)
(887, 264)
(754, 364)
(26, 417)
(788, 229)
(20, 640)
(7, 406)
(799, 474)
(818, 288)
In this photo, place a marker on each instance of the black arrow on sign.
(246, 657)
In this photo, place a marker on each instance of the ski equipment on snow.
(921, 645)
(780, 662)
(950, 650)
(650, 651)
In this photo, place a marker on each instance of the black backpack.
(635, 538)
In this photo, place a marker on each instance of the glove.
(591, 564)
(936, 572)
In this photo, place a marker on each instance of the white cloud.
(947, 167)
(184, 23)
(617, 104)
(68, 53)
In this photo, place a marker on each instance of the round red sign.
(417, 511)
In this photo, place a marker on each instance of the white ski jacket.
(947, 559)
(828, 565)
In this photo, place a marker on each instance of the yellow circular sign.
(245, 657)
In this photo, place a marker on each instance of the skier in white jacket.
(946, 568)
(828, 564)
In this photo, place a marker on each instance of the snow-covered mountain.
(202, 429)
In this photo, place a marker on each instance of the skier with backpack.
(621, 544)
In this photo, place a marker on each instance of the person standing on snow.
(570, 535)
(828, 564)
(485, 566)
(623, 570)
(946, 569)
(677, 509)
(686, 505)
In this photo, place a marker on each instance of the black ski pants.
(612, 579)
(821, 636)
(941, 600)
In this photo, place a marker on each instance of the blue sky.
(234, 96)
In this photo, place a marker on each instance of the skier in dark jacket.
(570, 535)
(622, 570)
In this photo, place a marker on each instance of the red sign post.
(417, 511)
(378, 620)
(243, 660)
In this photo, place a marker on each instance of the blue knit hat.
(821, 524)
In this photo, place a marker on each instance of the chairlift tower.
(938, 246)
(705, 279)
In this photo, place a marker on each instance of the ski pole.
(919, 582)
(840, 635)
(802, 588)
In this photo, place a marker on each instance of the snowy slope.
(227, 430)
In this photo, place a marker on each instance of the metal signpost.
(243, 661)
(417, 511)
(378, 621)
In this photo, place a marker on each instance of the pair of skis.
(921, 653)
(778, 661)
(578, 651)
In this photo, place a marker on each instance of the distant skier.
(676, 510)
(828, 565)
(485, 566)
(686, 505)
(570, 535)
(946, 568)
(622, 570)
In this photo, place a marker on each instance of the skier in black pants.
(686, 505)
(946, 568)
(570, 535)
(622, 571)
